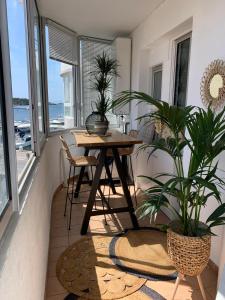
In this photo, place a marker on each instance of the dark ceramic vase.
(96, 124)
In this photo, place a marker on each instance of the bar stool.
(126, 152)
(74, 162)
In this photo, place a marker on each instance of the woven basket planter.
(190, 255)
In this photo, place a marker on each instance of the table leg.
(123, 179)
(126, 169)
(92, 195)
(109, 175)
(80, 178)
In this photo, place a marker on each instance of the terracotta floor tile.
(59, 242)
(54, 287)
(57, 297)
(74, 238)
(212, 292)
(51, 269)
(54, 253)
(59, 232)
(60, 222)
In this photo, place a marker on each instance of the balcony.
(165, 48)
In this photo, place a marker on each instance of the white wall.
(153, 43)
(23, 274)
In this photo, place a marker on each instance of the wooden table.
(115, 141)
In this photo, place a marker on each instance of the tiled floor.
(61, 238)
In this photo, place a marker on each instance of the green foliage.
(105, 69)
(20, 101)
(200, 131)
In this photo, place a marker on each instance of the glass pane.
(20, 86)
(182, 62)
(38, 71)
(60, 93)
(157, 84)
(3, 186)
(4, 198)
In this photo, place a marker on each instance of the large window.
(37, 68)
(61, 55)
(16, 13)
(181, 75)
(4, 195)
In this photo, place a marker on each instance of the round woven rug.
(143, 252)
(86, 270)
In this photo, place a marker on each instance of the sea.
(22, 113)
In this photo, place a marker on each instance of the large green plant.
(203, 133)
(104, 70)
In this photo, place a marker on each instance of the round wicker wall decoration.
(213, 85)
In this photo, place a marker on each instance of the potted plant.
(202, 134)
(102, 75)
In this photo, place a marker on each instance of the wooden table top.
(115, 139)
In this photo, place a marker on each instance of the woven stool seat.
(83, 161)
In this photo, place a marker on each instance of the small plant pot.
(101, 127)
(190, 255)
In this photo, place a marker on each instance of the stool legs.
(72, 196)
(92, 176)
(67, 192)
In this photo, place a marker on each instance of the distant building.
(66, 74)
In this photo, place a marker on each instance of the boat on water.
(57, 123)
(22, 128)
(22, 134)
(23, 143)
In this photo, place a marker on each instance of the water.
(22, 113)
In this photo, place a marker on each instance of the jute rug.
(143, 253)
(107, 267)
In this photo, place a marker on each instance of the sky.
(18, 56)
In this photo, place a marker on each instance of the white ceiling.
(99, 18)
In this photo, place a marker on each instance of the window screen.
(89, 49)
(181, 75)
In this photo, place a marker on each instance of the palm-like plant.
(104, 70)
(203, 133)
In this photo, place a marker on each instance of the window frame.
(37, 139)
(20, 187)
(155, 69)
(4, 136)
(24, 176)
(75, 74)
(176, 42)
(13, 203)
(17, 191)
